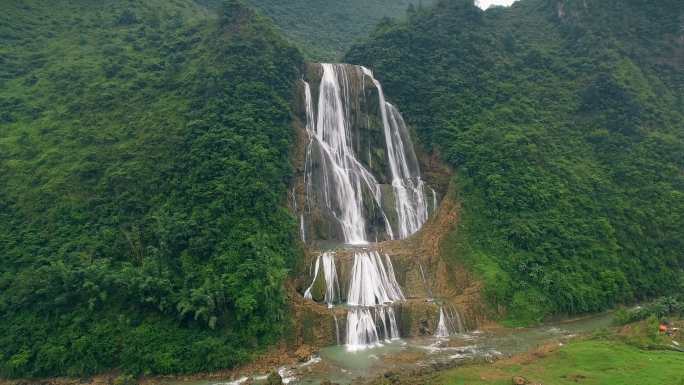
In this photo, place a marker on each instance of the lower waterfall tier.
(366, 304)
(320, 326)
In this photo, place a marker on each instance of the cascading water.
(456, 315)
(337, 328)
(373, 289)
(449, 323)
(340, 185)
(434, 200)
(344, 179)
(326, 261)
(346, 188)
(408, 189)
(428, 289)
(442, 328)
(372, 282)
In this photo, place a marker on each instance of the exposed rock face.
(446, 284)
(348, 96)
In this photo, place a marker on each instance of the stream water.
(338, 365)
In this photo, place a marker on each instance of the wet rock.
(304, 353)
(392, 378)
(518, 380)
(424, 328)
(274, 379)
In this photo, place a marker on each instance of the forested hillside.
(144, 159)
(325, 29)
(564, 122)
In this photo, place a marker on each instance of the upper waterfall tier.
(362, 180)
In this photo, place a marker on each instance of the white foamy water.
(345, 189)
(410, 205)
(442, 329)
(326, 262)
(372, 290)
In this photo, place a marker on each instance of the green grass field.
(591, 362)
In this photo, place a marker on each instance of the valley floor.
(634, 354)
(626, 356)
(584, 362)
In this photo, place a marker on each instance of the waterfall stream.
(407, 185)
(427, 287)
(344, 191)
(442, 328)
(449, 323)
(326, 261)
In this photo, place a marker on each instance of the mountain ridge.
(146, 150)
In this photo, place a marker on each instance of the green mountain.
(564, 121)
(144, 154)
(325, 29)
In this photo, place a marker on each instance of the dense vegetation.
(660, 309)
(564, 120)
(325, 29)
(144, 159)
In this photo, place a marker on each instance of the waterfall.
(434, 200)
(341, 188)
(428, 289)
(408, 188)
(361, 330)
(442, 328)
(459, 322)
(348, 189)
(344, 178)
(372, 290)
(449, 323)
(307, 293)
(372, 283)
(326, 261)
(337, 328)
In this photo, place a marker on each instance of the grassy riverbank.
(585, 362)
(632, 355)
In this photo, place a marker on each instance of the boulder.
(274, 379)
(518, 380)
(304, 353)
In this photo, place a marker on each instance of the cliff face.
(427, 279)
(349, 99)
(364, 121)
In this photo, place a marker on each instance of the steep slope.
(327, 28)
(564, 120)
(144, 154)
